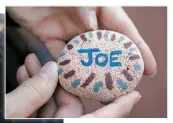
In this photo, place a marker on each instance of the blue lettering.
(112, 58)
(102, 64)
(90, 59)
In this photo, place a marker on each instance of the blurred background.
(152, 25)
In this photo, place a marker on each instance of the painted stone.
(100, 65)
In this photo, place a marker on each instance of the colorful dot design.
(113, 37)
(99, 35)
(132, 49)
(97, 86)
(137, 67)
(60, 71)
(90, 35)
(76, 41)
(83, 37)
(121, 38)
(106, 34)
(108, 78)
(121, 84)
(75, 83)
(62, 54)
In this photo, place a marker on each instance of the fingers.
(29, 16)
(116, 19)
(35, 92)
(121, 107)
(48, 110)
(31, 67)
(32, 64)
(64, 23)
(88, 17)
(22, 74)
(55, 47)
(68, 105)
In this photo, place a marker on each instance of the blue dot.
(132, 49)
(75, 83)
(62, 54)
(76, 41)
(106, 34)
(97, 86)
(121, 83)
(90, 35)
(137, 67)
(121, 38)
(60, 71)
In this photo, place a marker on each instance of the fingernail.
(138, 97)
(91, 17)
(49, 71)
(152, 75)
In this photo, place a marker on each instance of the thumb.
(121, 107)
(32, 93)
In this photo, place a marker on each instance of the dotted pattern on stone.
(101, 60)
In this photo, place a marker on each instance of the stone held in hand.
(100, 65)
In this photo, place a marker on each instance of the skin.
(64, 24)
